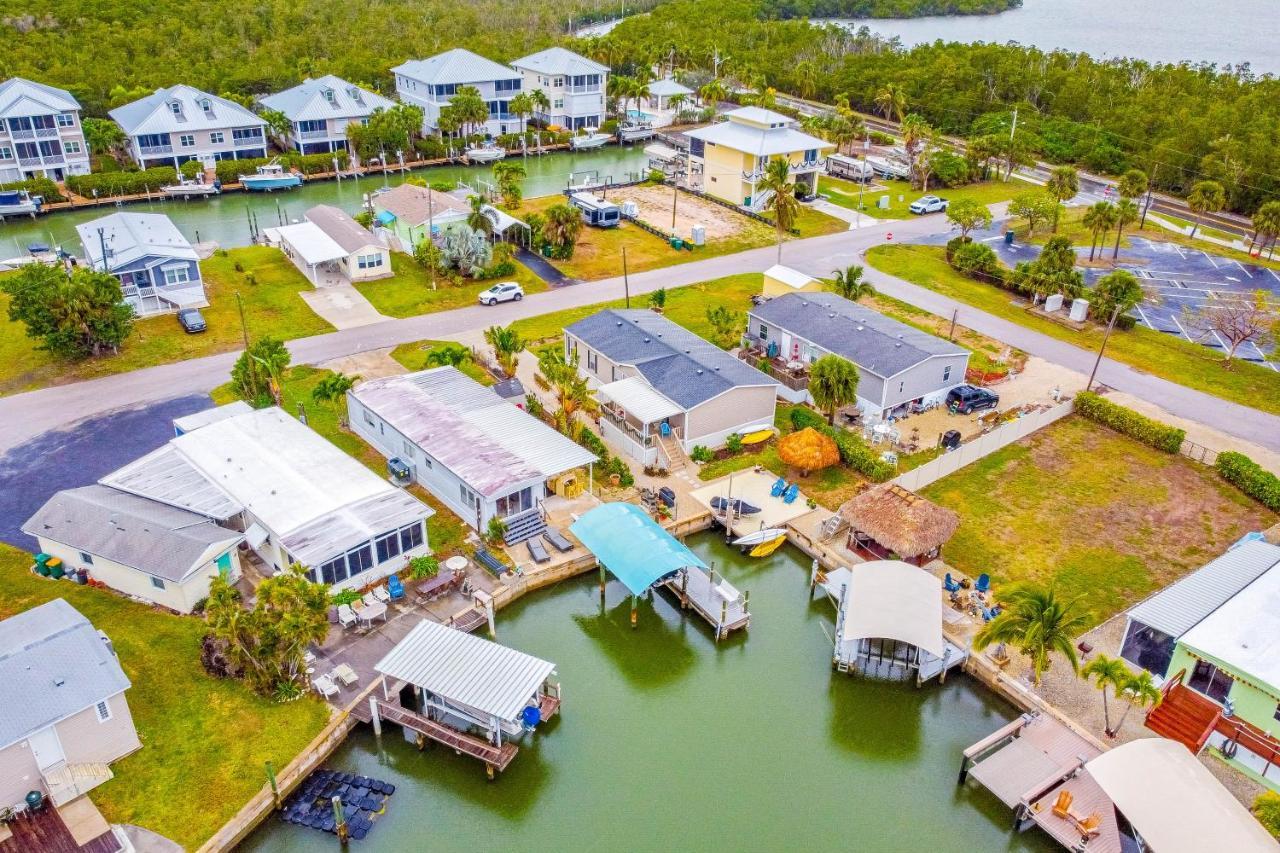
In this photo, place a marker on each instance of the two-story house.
(573, 84)
(432, 83)
(40, 132)
(63, 715)
(320, 110)
(181, 123)
(158, 269)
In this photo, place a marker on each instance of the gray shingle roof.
(53, 664)
(680, 365)
(1177, 608)
(455, 66)
(558, 60)
(307, 102)
(876, 343)
(152, 537)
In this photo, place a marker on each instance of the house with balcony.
(158, 269)
(431, 84)
(320, 110)
(899, 366)
(662, 389)
(728, 159)
(171, 126)
(40, 132)
(63, 714)
(573, 84)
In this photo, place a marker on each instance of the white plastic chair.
(346, 616)
(324, 686)
(380, 594)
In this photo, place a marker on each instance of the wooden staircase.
(677, 460)
(1184, 715)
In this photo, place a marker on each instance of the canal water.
(669, 742)
(225, 219)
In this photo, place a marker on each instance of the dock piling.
(340, 822)
(684, 590)
(377, 718)
(634, 604)
(275, 786)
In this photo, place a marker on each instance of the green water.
(669, 742)
(224, 218)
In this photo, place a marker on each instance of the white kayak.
(766, 535)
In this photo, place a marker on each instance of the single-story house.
(478, 454)
(888, 522)
(897, 364)
(780, 280)
(63, 714)
(409, 212)
(145, 549)
(294, 496)
(158, 269)
(660, 384)
(330, 243)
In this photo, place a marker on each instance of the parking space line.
(1273, 274)
(1210, 259)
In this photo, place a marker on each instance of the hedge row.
(854, 452)
(1127, 421)
(1250, 477)
(110, 184)
(43, 187)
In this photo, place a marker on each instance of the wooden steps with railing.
(1183, 714)
(677, 460)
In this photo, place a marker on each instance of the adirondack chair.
(949, 585)
(779, 486)
(346, 616)
(792, 492)
(984, 583)
(394, 588)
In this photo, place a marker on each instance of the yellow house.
(779, 280)
(727, 160)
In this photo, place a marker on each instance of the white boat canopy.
(639, 398)
(658, 151)
(893, 600)
(1174, 802)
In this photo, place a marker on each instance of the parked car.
(928, 204)
(191, 320)
(503, 291)
(966, 399)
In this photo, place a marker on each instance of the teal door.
(224, 565)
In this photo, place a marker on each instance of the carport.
(307, 246)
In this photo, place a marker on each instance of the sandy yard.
(371, 364)
(654, 203)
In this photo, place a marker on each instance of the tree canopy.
(73, 316)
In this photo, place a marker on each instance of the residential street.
(25, 416)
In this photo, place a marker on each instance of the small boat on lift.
(19, 203)
(192, 189)
(592, 139)
(764, 549)
(635, 131)
(270, 176)
(486, 153)
(734, 505)
(759, 537)
(37, 253)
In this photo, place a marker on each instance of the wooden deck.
(45, 832)
(1026, 758)
(694, 589)
(549, 706)
(1088, 799)
(496, 757)
(468, 620)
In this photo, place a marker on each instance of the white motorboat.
(635, 131)
(759, 537)
(19, 203)
(270, 176)
(487, 153)
(591, 140)
(192, 189)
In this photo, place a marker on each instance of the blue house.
(157, 267)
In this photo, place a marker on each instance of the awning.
(893, 600)
(255, 535)
(639, 398)
(385, 217)
(658, 151)
(632, 545)
(1174, 802)
(183, 297)
(310, 241)
(502, 221)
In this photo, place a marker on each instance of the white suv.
(503, 291)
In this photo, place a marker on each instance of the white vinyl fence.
(983, 445)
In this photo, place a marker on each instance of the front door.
(1211, 681)
(46, 748)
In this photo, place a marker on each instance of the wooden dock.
(494, 757)
(722, 606)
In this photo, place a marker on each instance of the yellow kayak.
(757, 436)
(764, 549)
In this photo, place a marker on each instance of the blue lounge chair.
(949, 585)
(789, 496)
(779, 486)
(394, 588)
(490, 562)
(984, 583)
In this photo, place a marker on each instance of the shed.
(888, 521)
(779, 280)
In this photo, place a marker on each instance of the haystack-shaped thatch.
(808, 450)
(900, 520)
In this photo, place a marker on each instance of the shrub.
(311, 164)
(977, 260)
(700, 453)
(344, 596)
(190, 169)
(1255, 481)
(122, 183)
(229, 171)
(424, 567)
(497, 530)
(43, 187)
(588, 439)
(1127, 421)
(802, 418)
(854, 452)
(733, 442)
(430, 148)
(610, 126)
(617, 466)
(656, 176)
(1266, 808)
(878, 138)
(949, 168)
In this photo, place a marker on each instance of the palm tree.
(1063, 184)
(849, 283)
(478, 218)
(333, 389)
(1205, 197)
(278, 126)
(507, 346)
(1107, 672)
(522, 105)
(1121, 292)
(713, 92)
(1266, 226)
(561, 226)
(1098, 219)
(1037, 623)
(1139, 691)
(677, 102)
(1132, 184)
(806, 79)
(915, 135)
(891, 101)
(570, 387)
(448, 355)
(1126, 212)
(783, 202)
(833, 382)
(541, 103)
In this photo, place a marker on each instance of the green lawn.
(272, 306)
(1096, 513)
(1162, 355)
(204, 739)
(845, 194)
(414, 357)
(409, 292)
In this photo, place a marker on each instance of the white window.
(946, 373)
(369, 261)
(104, 711)
(187, 140)
(559, 81)
(157, 583)
(216, 137)
(426, 460)
(177, 275)
(6, 153)
(408, 448)
(66, 120)
(176, 107)
(71, 146)
(558, 104)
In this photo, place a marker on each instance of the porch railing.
(155, 149)
(313, 134)
(777, 369)
(627, 427)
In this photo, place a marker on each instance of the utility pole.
(244, 328)
(626, 285)
(102, 240)
(675, 195)
(1147, 204)
(951, 335)
(1115, 312)
(431, 194)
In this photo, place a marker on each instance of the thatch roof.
(808, 450)
(900, 520)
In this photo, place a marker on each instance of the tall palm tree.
(522, 105)
(850, 284)
(333, 389)
(1117, 292)
(916, 133)
(1107, 673)
(1098, 219)
(833, 382)
(1132, 184)
(569, 386)
(783, 201)
(478, 218)
(806, 79)
(1205, 197)
(507, 346)
(1126, 212)
(1063, 184)
(561, 226)
(713, 92)
(892, 101)
(677, 102)
(1139, 692)
(1266, 226)
(1037, 623)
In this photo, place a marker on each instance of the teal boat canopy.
(632, 545)
(385, 217)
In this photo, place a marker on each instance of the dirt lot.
(654, 203)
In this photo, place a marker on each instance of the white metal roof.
(308, 100)
(455, 66)
(639, 398)
(789, 276)
(560, 61)
(467, 670)
(207, 416)
(1244, 633)
(165, 475)
(661, 152)
(1174, 802)
(760, 141)
(20, 98)
(132, 236)
(667, 87)
(1178, 607)
(893, 600)
(309, 240)
(154, 113)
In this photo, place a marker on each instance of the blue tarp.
(385, 217)
(632, 545)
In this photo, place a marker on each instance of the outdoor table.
(372, 611)
(456, 563)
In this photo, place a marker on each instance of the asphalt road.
(23, 417)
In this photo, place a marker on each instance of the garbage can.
(1008, 238)
(55, 568)
(676, 243)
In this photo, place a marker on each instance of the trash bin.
(55, 568)
(546, 251)
(1008, 237)
(676, 243)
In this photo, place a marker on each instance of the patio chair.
(949, 585)
(395, 589)
(369, 598)
(1062, 805)
(984, 583)
(537, 550)
(345, 674)
(792, 492)
(324, 686)
(1090, 826)
(558, 540)
(380, 593)
(779, 486)
(346, 616)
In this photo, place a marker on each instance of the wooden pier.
(495, 757)
(724, 608)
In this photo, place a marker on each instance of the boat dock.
(724, 608)
(495, 757)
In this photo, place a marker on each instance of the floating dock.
(722, 606)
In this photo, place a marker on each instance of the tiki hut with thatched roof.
(808, 450)
(888, 522)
